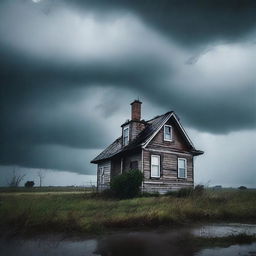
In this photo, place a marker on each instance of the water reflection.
(177, 242)
(222, 230)
(234, 250)
(144, 243)
(50, 246)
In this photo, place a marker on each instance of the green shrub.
(127, 185)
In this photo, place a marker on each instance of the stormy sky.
(70, 68)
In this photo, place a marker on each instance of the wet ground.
(177, 242)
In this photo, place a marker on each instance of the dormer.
(131, 128)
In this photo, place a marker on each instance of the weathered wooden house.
(159, 147)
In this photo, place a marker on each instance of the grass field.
(87, 213)
(50, 189)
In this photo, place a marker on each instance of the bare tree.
(41, 175)
(15, 179)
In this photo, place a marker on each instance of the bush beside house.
(127, 185)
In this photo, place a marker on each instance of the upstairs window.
(155, 166)
(182, 168)
(167, 133)
(125, 135)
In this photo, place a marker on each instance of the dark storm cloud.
(190, 22)
(38, 85)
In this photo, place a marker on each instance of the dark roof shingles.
(116, 147)
(110, 151)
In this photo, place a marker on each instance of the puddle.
(176, 242)
(222, 230)
(234, 250)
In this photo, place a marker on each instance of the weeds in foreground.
(93, 213)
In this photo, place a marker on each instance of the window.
(134, 165)
(125, 135)
(155, 166)
(182, 168)
(167, 133)
(101, 175)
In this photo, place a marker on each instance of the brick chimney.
(135, 125)
(136, 110)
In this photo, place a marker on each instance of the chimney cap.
(136, 101)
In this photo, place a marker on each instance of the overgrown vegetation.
(187, 192)
(127, 185)
(84, 213)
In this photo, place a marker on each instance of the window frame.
(159, 166)
(165, 139)
(186, 169)
(128, 135)
(102, 174)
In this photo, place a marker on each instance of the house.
(159, 147)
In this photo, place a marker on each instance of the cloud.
(190, 23)
(68, 70)
(227, 160)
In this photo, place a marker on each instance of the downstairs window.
(155, 166)
(182, 168)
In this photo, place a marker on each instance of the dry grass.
(84, 213)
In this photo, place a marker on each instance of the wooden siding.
(127, 160)
(115, 167)
(168, 172)
(107, 167)
(169, 152)
(116, 163)
(178, 141)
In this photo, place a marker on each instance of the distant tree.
(15, 179)
(29, 184)
(242, 188)
(41, 175)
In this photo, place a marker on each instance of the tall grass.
(84, 213)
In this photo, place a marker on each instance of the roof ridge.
(117, 148)
(159, 116)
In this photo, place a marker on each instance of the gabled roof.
(168, 116)
(143, 138)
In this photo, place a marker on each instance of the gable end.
(177, 123)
